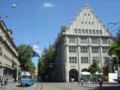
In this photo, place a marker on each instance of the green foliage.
(47, 62)
(41, 67)
(25, 55)
(94, 67)
(115, 48)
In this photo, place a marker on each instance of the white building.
(8, 55)
(85, 39)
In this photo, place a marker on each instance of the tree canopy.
(115, 47)
(94, 67)
(46, 62)
(25, 55)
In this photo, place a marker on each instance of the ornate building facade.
(85, 39)
(8, 55)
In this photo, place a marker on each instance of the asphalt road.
(61, 86)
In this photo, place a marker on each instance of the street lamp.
(14, 5)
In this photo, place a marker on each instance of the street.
(61, 86)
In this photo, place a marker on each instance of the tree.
(94, 68)
(46, 62)
(41, 67)
(25, 55)
(115, 47)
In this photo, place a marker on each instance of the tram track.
(60, 88)
(39, 85)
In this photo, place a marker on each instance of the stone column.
(66, 64)
(101, 57)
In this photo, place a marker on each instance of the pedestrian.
(81, 82)
(5, 83)
(2, 83)
(72, 79)
(100, 82)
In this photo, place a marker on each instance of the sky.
(34, 21)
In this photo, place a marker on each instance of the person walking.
(5, 83)
(2, 83)
(81, 82)
(100, 82)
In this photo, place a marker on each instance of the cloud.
(48, 5)
(35, 47)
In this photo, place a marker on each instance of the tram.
(27, 78)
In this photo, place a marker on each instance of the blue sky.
(40, 20)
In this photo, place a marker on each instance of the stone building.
(84, 39)
(8, 55)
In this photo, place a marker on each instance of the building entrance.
(73, 73)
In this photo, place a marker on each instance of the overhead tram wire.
(115, 29)
(114, 26)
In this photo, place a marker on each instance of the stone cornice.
(4, 28)
(8, 46)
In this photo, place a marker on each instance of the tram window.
(24, 77)
(29, 77)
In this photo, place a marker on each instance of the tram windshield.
(24, 77)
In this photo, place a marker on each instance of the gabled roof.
(87, 20)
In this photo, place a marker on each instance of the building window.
(105, 59)
(90, 31)
(96, 58)
(84, 49)
(84, 59)
(105, 49)
(93, 31)
(79, 30)
(72, 49)
(97, 31)
(75, 30)
(82, 22)
(0, 51)
(83, 31)
(84, 40)
(71, 39)
(100, 31)
(72, 59)
(105, 40)
(95, 40)
(95, 49)
(86, 31)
